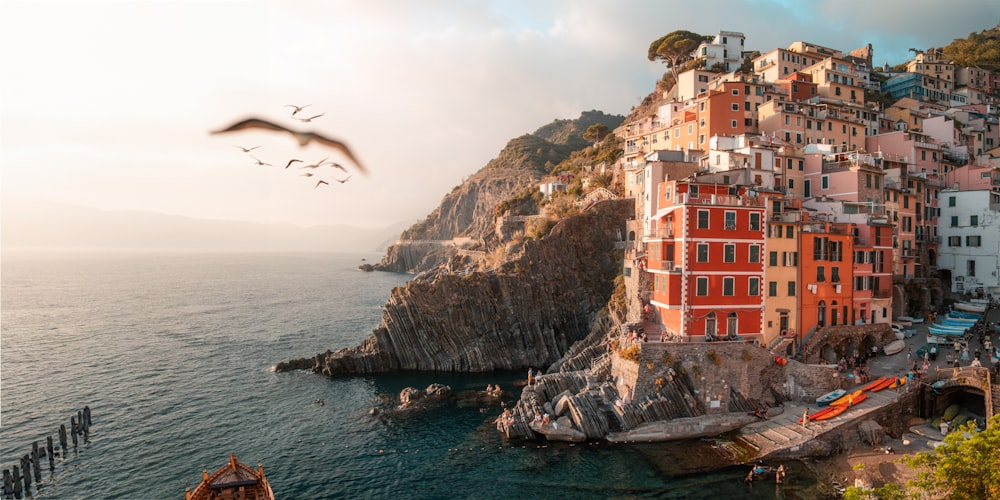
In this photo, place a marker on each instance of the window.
(754, 289)
(729, 253)
(736, 106)
(702, 286)
(973, 241)
(954, 221)
(728, 286)
(835, 275)
(791, 184)
(772, 288)
(703, 219)
(807, 188)
(754, 256)
(702, 252)
(791, 288)
(755, 222)
(970, 268)
(730, 220)
(734, 124)
(694, 191)
(824, 182)
(954, 241)
(820, 274)
(974, 220)
(773, 259)
(790, 232)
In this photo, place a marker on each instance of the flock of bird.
(303, 138)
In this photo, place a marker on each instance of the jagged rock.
(527, 312)
(559, 430)
(683, 428)
(434, 393)
(562, 403)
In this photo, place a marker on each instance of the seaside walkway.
(784, 432)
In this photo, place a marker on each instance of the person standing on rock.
(531, 375)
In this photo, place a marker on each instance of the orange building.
(826, 252)
(706, 258)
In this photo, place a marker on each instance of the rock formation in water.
(529, 310)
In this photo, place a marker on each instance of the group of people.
(494, 390)
(759, 471)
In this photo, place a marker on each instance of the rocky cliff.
(527, 311)
(468, 210)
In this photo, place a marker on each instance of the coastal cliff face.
(468, 211)
(527, 311)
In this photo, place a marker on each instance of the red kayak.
(870, 385)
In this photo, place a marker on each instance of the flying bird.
(311, 118)
(345, 179)
(321, 181)
(297, 108)
(337, 165)
(260, 162)
(247, 150)
(304, 138)
(315, 165)
(307, 174)
(292, 161)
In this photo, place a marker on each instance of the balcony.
(721, 200)
(669, 265)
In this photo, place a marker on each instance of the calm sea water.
(174, 354)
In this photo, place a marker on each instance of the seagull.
(303, 137)
(297, 108)
(311, 118)
(321, 181)
(316, 165)
(247, 150)
(307, 174)
(292, 161)
(344, 180)
(337, 165)
(260, 162)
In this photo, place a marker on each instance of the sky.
(109, 105)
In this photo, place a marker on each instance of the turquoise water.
(174, 355)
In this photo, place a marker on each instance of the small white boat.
(910, 319)
(969, 307)
(895, 347)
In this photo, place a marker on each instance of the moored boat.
(819, 413)
(959, 320)
(885, 384)
(846, 398)
(233, 480)
(969, 307)
(911, 319)
(873, 383)
(829, 397)
(834, 411)
(894, 347)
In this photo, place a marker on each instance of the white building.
(969, 226)
(726, 50)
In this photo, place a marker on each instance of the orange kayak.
(870, 385)
(834, 411)
(886, 383)
(818, 414)
(846, 398)
(901, 381)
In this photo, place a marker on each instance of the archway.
(821, 313)
(828, 353)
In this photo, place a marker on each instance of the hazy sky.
(109, 104)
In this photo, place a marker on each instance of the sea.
(174, 354)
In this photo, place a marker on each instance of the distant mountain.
(46, 225)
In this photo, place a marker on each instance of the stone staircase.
(781, 348)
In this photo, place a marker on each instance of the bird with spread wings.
(302, 137)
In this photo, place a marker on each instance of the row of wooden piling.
(17, 481)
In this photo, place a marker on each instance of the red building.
(706, 258)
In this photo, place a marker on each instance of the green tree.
(966, 466)
(889, 491)
(596, 132)
(675, 48)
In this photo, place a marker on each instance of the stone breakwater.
(526, 311)
(661, 392)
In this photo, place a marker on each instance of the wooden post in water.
(73, 430)
(50, 452)
(36, 468)
(86, 419)
(8, 484)
(26, 470)
(17, 482)
(62, 438)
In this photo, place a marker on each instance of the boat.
(233, 480)
(963, 314)
(910, 319)
(958, 320)
(936, 330)
(846, 398)
(834, 411)
(829, 397)
(873, 383)
(969, 307)
(894, 347)
(885, 384)
(899, 382)
(819, 413)
(861, 397)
